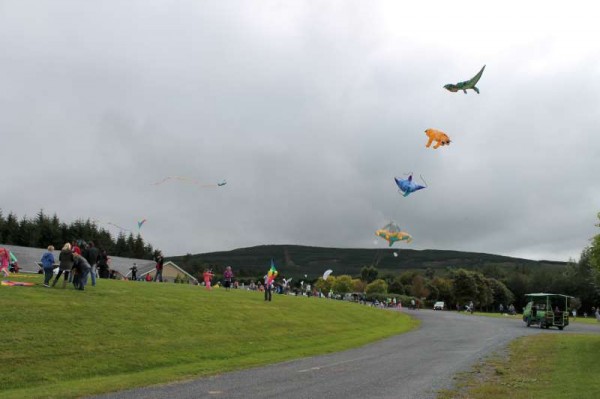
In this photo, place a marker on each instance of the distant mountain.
(297, 260)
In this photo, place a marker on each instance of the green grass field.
(557, 366)
(120, 334)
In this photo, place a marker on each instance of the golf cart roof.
(542, 294)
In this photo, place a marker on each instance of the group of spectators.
(75, 265)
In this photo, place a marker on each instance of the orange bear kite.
(436, 135)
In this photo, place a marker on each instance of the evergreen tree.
(368, 274)
(42, 231)
(138, 247)
(121, 245)
(11, 232)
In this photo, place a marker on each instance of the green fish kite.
(468, 84)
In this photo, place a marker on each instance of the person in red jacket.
(159, 266)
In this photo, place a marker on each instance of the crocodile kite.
(468, 84)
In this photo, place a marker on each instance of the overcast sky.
(308, 110)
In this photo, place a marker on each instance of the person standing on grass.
(65, 264)
(134, 270)
(268, 289)
(207, 275)
(228, 277)
(160, 260)
(91, 254)
(103, 264)
(48, 265)
(83, 268)
(4, 261)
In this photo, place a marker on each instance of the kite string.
(426, 185)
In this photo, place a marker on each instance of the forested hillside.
(296, 260)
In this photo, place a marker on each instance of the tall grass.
(556, 366)
(121, 334)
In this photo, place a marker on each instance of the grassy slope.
(66, 343)
(557, 366)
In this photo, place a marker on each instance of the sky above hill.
(308, 109)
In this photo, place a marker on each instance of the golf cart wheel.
(560, 327)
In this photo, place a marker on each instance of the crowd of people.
(75, 265)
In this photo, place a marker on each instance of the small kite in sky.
(467, 84)
(392, 233)
(395, 254)
(189, 180)
(327, 273)
(407, 186)
(141, 223)
(438, 136)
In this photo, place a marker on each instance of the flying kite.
(141, 223)
(467, 84)
(438, 136)
(392, 233)
(327, 273)
(272, 273)
(189, 180)
(407, 186)
(395, 254)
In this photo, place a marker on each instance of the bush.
(377, 287)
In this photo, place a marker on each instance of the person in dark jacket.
(65, 260)
(103, 264)
(159, 266)
(83, 269)
(91, 254)
(134, 271)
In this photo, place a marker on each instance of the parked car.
(439, 305)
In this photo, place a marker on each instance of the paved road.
(414, 365)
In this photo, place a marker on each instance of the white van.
(439, 305)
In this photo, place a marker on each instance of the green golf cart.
(547, 310)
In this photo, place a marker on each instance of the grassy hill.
(64, 343)
(297, 260)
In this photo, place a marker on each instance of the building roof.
(142, 273)
(29, 258)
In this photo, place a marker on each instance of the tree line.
(43, 230)
(488, 288)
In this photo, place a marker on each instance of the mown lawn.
(557, 366)
(120, 334)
